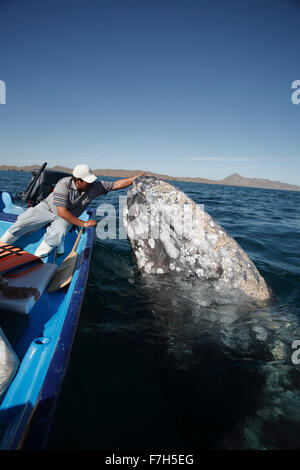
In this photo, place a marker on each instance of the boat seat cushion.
(39, 278)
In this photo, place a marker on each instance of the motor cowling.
(43, 185)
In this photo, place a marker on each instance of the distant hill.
(237, 180)
(233, 180)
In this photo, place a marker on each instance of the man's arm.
(72, 219)
(123, 183)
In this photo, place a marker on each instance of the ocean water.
(153, 368)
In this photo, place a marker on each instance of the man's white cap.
(83, 172)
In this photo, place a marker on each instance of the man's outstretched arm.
(123, 183)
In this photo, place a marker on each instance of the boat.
(42, 333)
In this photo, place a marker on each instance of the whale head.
(169, 233)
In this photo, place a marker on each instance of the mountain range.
(233, 180)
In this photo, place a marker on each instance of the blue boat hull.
(44, 346)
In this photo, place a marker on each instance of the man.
(62, 208)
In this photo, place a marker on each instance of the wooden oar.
(64, 273)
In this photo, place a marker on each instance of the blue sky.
(180, 87)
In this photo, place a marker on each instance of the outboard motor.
(41, 185)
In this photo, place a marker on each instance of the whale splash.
(170, 233)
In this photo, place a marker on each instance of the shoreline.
(232, 180)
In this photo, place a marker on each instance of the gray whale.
(222, 363)
(169, 233)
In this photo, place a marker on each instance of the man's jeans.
(38, 217)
